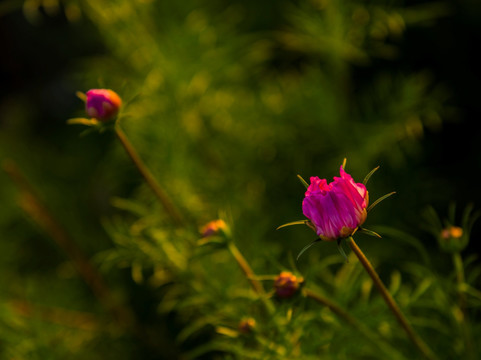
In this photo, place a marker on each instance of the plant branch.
(393, 306)
(250, 275)
(359, 326)
(149, 178)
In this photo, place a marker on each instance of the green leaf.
(368, 176)
(341, 250)
(451, 214)
(434, 224)
(369, 232)
(306, 247)
(379, 200)
(298, 222)
(303, 181)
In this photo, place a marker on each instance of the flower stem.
(250, 275)
(459, 268)
(149, 178)
(336, 309)
(359, 326)
(393, 306)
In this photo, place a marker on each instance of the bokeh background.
(226, 101)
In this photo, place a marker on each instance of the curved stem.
(391, 303)
(250, 275)
(149, 178)
(336, 309)
(359, 326)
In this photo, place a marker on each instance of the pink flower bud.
(335, 209)
(213, 228)
(102, 104)
(286, 284)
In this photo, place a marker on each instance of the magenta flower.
(102, 104)
(335, 210)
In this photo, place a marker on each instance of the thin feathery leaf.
(368, 176)
(452, 213)
(298, 222)
(469, 224)
(303, 181)
(466, 215)
(306, 248)
(379, 200)
(370, 232)
(341, 250)
(433, 218)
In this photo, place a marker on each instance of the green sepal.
(298, 222)
(81, 96)
(369, 232)
(83, 121)
(303, 181)
(341, 250)
(379, 200)
(368, 176)
(306, 248)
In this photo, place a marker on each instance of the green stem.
(460, 279)
(391, 303)
(250, 275)
(336, 309)
(149, 178)
(364, 330)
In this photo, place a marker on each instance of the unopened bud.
(102, 104)
(451, 239)
(214, 228)
(286, 284)
(247, 325)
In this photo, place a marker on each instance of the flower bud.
(286, 284)
(452, 239)
(214, 228)
(102, 104)
(247, 325)
(335, 209)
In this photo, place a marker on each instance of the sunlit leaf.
(369, 232)
(303, 181)
(298, 222)
(368, 176)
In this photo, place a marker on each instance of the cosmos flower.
(335, 209)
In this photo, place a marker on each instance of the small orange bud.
(213, 228)
(453, 239)
(286, 284)
(247, 325)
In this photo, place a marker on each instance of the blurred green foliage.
(225, 102)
